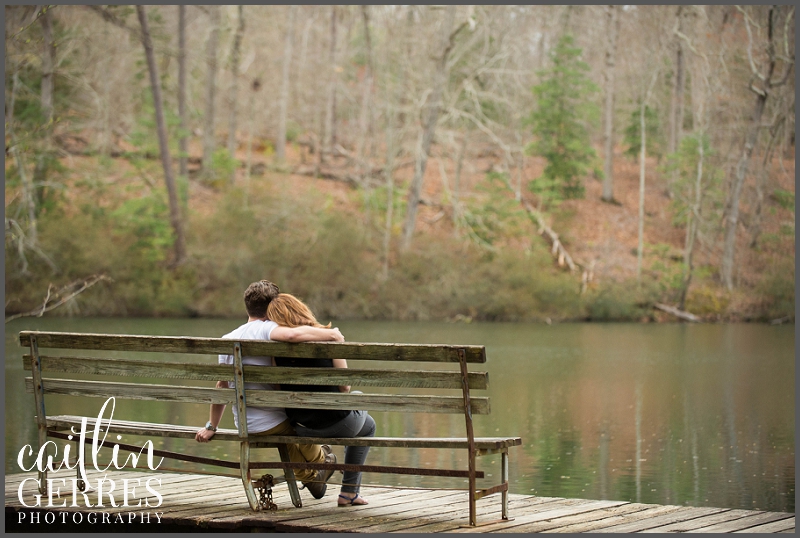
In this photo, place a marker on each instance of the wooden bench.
(393, 374)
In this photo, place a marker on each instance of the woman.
(288, 311)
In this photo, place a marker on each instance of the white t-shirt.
(259, 419)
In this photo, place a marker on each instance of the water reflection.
(669, 414)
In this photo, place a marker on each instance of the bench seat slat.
(215, 346)
(260, 374)
(270, 398)
(188, 432)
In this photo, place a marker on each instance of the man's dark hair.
(257, 297)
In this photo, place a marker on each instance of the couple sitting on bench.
(282, 317)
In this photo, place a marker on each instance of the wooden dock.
(213, 503)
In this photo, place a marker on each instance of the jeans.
(356, 424)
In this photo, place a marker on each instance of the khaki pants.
(299, 453)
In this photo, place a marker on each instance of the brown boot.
(318, 486)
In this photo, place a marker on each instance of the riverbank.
(325, 241)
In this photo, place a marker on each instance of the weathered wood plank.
(684, 513)
(775, 526)
(261, 374)
(337, 521)
(704, 521)
(379, 498)
(435, 515)
(582, 518)
(225, 434)
(220, 346)
(645, 511)
(219, 503)
(745, 522)
(269, 398)
(462, 519)
(556, 512)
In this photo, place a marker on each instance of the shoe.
(319, 486)
(352, 501)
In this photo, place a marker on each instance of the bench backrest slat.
(302, 400)
(210, 346)
(259, 374)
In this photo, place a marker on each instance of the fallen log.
(687, 316)
(557, 248)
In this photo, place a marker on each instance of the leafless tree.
(212, 45)
(612, 26)
(432, 109)
(283, 103)
(234, 87)
(329, 135)
(763, 83)
(183, 158)
(155, 85)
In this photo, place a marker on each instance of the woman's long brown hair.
(289, 311)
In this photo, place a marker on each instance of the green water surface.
(699, 415)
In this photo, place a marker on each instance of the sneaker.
(319, 486)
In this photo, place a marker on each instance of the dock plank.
(548, 515)
(533, 513)
(703, 521)
(746, 522)
(776, 526)
(583, 518)
(197, 501)
(431, 515)
(683, 513)
(647, 511)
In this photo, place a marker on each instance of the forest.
(433, 162)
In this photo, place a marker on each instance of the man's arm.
(215, 416)
(304, 333)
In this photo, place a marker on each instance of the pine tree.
(561, 123)
(633, 138)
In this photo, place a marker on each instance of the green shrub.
(776, 290)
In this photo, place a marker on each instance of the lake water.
(700, 415)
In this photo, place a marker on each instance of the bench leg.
(294, 492)
(244, 467)
(504, 480)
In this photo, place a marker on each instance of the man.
(273, 420)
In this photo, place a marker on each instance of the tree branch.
(85, 285)
(750, 43)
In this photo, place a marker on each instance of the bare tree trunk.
(232, 100)
(751, 137)
(675, 119)
(155, 85)
(433, 106)
(249, 159)
(211, 90)
(28, 195)
(642, 155)
(736, 191)
(389, 173)
(280, 149)
(608, 117)
(462, 150)
(363, 120)
(47, 89)
(183, 148)
(691, 229)
(48, 65)
(676, 106)
(329, 136)
(761, 181)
